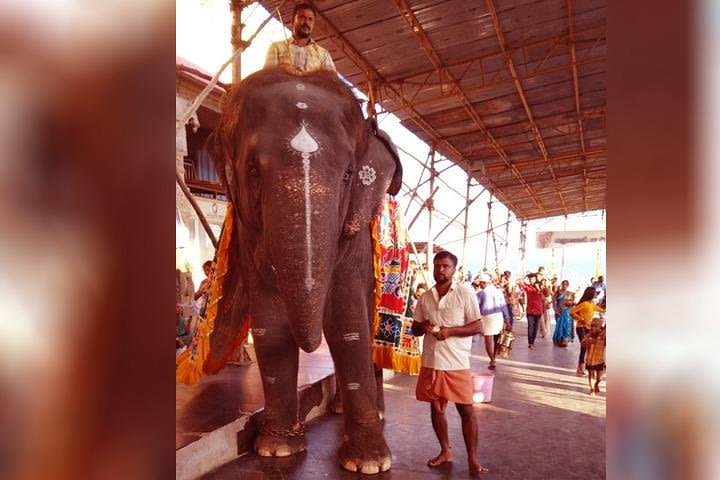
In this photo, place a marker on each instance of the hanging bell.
(504, 345)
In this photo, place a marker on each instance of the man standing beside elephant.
(450, 314)
(300, 54)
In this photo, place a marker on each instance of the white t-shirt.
(457, 308)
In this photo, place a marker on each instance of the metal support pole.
(523, 237)
(422, 208)
(413, 192)
(465, 225)
(417, 257)
(236, 7)
(562, 258)
(431, 207)
(489, 230)
(497, 265)
(507, 234)
(464, 210)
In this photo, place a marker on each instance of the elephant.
(305, 173)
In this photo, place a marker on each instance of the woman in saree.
(562, 302)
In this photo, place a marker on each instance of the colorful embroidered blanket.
(394, 345)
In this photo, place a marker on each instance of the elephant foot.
(280, 443)
(368, 458)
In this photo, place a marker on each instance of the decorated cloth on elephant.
(189, 364)
(394, 345)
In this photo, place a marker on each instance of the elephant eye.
(252, 170)
(347, 175)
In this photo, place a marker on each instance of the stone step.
(227, 443)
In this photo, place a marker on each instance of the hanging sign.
(566, 238)
(214, 210)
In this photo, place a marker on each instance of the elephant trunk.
(304, 296)
(302, 259)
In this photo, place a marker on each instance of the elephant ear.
(377, 171)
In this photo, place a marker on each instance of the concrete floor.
(541, 424)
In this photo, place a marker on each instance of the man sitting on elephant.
(300, 54)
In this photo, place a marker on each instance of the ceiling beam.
(521, 93)
(564, 117)
(499, 167)
(446, 94)
(558, 39)
(416, 28)
(554, 176)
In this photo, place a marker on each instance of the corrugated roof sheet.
(523, 106)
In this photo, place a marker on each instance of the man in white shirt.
(449, 313)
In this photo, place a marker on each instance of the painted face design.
(367, 175)
(305, 144)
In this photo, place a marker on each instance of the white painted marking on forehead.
(367, 175)
(353, 386)
(300, 86)
(270, 379)
(350, 337)
(301, 105)
(303, 142)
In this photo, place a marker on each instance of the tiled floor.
(541, 424)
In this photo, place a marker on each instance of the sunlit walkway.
(540, 424)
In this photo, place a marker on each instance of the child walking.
(595, 342)
(583, 315)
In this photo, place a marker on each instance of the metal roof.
(512, 90)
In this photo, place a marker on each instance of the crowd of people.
(542, 301)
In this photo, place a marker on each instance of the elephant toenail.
(283, 452)
(369, 469)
